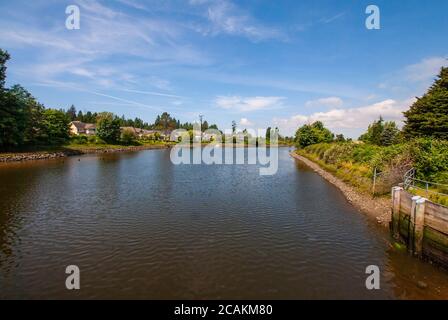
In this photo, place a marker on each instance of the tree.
(428, 116)
(55, 127)
(339, 138)
(233, 127)
(71, 113)
(314, 133)
(390, 134)
(108, 127)
(381, 133)
(128, 137)
(4, 57)
(13, 119)
(205, 126)
(268, 134)
(374, 131)
(80, 116)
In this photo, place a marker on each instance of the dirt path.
(378, 208)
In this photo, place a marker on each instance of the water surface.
(140, 227)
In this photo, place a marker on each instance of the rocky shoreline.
(378, 208)
(67, 152)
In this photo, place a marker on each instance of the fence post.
(411, 229)
(396, 198)
(419, 221)
(374, 182)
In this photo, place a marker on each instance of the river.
(138, 226)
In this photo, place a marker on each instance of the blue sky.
(260, 63)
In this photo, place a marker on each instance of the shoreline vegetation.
(377, 208)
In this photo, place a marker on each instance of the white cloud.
(247, 104)
(331, 102)
(426, 69)
(348, 119)
(245, 122)
(226, 18)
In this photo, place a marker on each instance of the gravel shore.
(378, 208)
(67, 152)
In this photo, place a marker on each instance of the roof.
(82, 126)
(78, 124)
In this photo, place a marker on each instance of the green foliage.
(108, 128)
(54, 127)
(428, 116)
(381, 133)
(339, 138)
(312, 134)
(81, 139)
(430, 159)
(4, 57)
(14, 117)
(128, 137)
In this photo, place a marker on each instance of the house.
(79, 127)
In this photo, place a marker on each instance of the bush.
(128, 137)
(81, 139)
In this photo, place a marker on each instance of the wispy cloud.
(331, 102)
(247, 104)
(227, 18)
(426, 69)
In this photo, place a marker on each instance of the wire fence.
(428, 187)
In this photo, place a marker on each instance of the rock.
(422, 285)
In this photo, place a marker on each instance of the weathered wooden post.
(419, 225)
(396, 194)
(411, 233)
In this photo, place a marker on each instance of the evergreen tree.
(390, 134)
(71, 113)
(428, 116)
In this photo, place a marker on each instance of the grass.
(433, 195)
(356, 175)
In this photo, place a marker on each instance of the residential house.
(79, 127)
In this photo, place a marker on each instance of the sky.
(260, 63)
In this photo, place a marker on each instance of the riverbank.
(74, 150)
(377, 208)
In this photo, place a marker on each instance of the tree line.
(426, 118)
(26, 122)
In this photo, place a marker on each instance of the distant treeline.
(26, 122)
(162, 122)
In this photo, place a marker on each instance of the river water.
(140, 227)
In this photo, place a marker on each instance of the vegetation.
(24, 121)
(381, 133)
(428, 116)
(384, 149)
(314, 133)
(108, 128)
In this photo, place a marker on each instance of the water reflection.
(140, 227)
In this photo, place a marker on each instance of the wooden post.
(419, 225)
(374, 183)
(396, 195)
(411, 233)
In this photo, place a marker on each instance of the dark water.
(140, 227)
